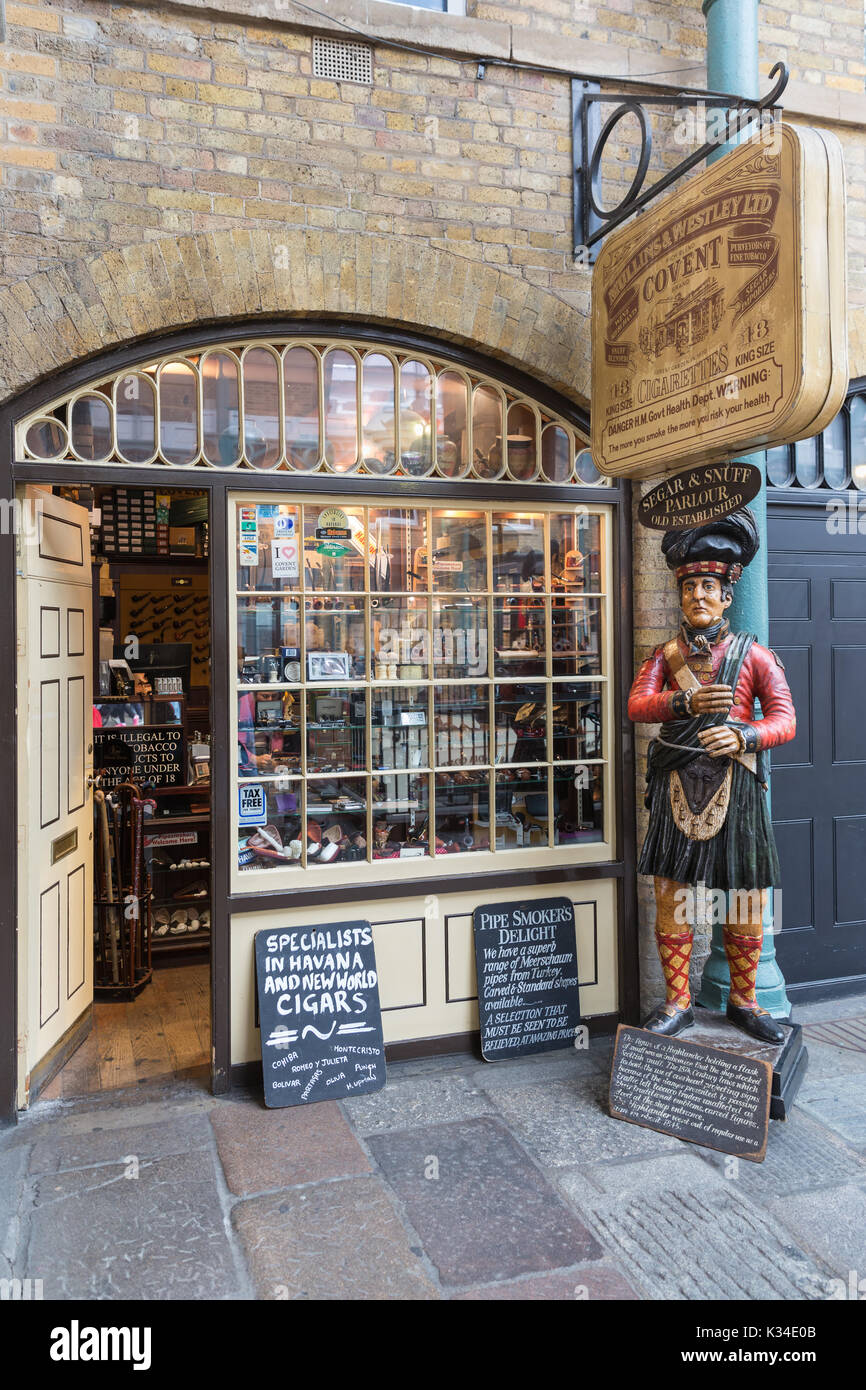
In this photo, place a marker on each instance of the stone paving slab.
(417, 1101)
(584, 1283)
(705, 1245)
(847, 1033)
(61, 1120)
(97, 1235)
(828, 1061)
(451, 1062)
(839, 1102)
(264, 1149)
(830, 1009)
(341, 1240)
(832, 1223)
(481, 1208)
(186, 1134)
(13, 1167)
(801, 1155)
(568, 1065)
(679, 1172)
(565, 1123)
(187, 1086)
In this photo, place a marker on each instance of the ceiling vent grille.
(342, 61)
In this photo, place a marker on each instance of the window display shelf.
(438, 630)
(180, 941)
(203, 819)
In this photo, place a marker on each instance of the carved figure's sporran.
(706, 777)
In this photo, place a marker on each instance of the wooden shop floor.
(164, 1032)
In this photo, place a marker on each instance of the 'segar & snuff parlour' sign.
(698, 495)
(718, 318)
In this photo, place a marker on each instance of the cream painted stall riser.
(425, 957)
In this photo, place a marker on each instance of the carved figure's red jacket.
(653, 698)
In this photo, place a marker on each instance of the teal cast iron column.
(732, 67)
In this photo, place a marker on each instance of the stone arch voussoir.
(58, 318)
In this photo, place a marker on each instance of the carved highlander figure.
(706, 779)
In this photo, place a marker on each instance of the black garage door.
(818, 629)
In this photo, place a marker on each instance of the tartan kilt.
(742, 855)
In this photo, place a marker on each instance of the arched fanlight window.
(834, 459)
(307, 407)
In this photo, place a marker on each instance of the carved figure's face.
(702, 600)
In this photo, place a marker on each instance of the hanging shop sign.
(150, 756)
(704, 1095)
(697, 495)
(718, 317)
(526, 963)
(319, 1013)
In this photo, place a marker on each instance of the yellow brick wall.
(668, 29)
(120, 124)
(123, 125)
(821, 43)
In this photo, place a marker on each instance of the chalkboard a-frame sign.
(319, 1013)
(526, 962)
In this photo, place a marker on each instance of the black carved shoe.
(757, 1023)
(660, 1021)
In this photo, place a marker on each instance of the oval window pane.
(46, 439)
(487, 459)
(806, 461)
(585, 470)
(135, 417)
(779, 466)
(261, 408)
(378, 414)
(221, 418)
(555, 454)
(178, 413)
(522, 451)
(301, 383)
(341, 411)
(857, 415)
(416, 413)
(452, 418)
(835, 453)
(90, 423)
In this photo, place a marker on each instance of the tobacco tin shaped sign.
(718, 317)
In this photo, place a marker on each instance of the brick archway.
(58, 318)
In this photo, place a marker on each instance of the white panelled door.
(55, 766)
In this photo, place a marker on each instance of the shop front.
(417, 635)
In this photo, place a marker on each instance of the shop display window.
(418, 682)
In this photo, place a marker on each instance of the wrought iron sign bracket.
(592, 222)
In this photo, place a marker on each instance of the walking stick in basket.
(108, 886)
